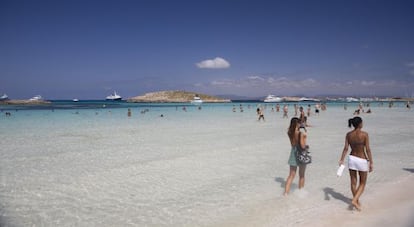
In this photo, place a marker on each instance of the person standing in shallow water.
(296, 138)
(359, 161)
(260, 114)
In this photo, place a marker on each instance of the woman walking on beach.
(296, 138)
(359, 161)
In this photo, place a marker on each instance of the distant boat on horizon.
(4, 97)
(75, 100)
(305, 99)
(272, 98)
(197, 100)
(352, 99)
(36, 98)
(114, 97)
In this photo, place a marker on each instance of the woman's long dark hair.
(292, 128)
(356, 121)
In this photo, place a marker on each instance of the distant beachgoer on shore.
(285, 111)
(303, 119)
(301, 113)
(408, 105)
(277, 107)
(361, 107)
(296, 138)
(261, 114)
(129, 112)
(345, 106)
(324, 107)
(296, 109)
(317, 107)
(360, 159)
(309, 110)
(369, 111)
(357, 111)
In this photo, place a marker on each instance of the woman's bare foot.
(356, 205)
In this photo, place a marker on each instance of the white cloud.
(310, 83)
(255, 78)
(368, 83)
(258, 85)
(410, 64)
(216, 63)
(269, 82)
(223, 83)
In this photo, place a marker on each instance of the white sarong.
(356, 163)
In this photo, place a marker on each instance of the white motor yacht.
(113, 97)
(351, 99)
(36, 98)
(272, 98)
(197, 100)
(305, 99)
(4, 97)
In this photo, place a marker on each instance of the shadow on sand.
(330, 192)
(411, 170)
(282, 181)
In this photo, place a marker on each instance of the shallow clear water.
(95, 166)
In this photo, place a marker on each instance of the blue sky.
(86, 49)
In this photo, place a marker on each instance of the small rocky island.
(176, 97)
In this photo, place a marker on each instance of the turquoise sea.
(89, 164)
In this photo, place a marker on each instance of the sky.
(64, 49)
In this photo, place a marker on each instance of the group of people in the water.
(260, 111)
(298, 111)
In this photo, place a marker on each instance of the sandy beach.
(199, 167)
(391, 205)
